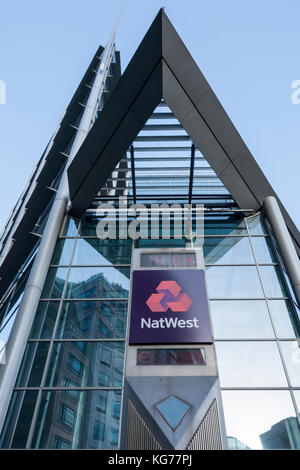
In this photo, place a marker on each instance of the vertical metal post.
(193, 148)
(285, 243)
(133, 173)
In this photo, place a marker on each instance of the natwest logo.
(169, 297)
(169, 307)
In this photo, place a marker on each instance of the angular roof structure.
(163, 69)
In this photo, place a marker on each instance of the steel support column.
(285, 243)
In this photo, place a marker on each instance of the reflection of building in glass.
(236, 444)
(70, 415)
(96, 286)
(74, 419)
(157, 135)
(93, 319)
(282, 435)
(78, 364)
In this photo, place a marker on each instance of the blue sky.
(248, 51)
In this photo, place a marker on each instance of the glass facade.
(261, 418)
(255, 325)
(71, 379)
(70, 387)
(69, 390)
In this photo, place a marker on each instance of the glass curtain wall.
(256, 332)
(69, 390)
(11, 303)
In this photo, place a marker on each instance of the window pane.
(93, 251)
(101, 404)
(74, 365)
(241, 319)
(88, 226)
(80, 422)
(263, 250)
(9, 310)
(250, 364)
(33, 364)
(6, 327)
(273, 282)
(61, 443)
(93, 319)
(106, 357)
(18, 420)
(261, 419)
(224, 225)
(85, 367)
(256, 225)
(99, 431)
(161, 243)
(283, 317)
(98, 283)
(233, 282)
(66, 415)
(44, 320)
(229, 250)
(291, 353)
(63, 251)
(114, 436)
(54, 283)
(70, 228)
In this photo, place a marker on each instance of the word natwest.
(170, 323)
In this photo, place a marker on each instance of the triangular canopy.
(163, 69)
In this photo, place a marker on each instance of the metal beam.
(162, 116)
(161, 138)
(161, 149)
(133, 173)
(163, 127)
(193, 148)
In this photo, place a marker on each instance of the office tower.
(150, 274)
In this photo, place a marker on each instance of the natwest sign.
(169, 307)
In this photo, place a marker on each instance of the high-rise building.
(284, 434)
(150, 276)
